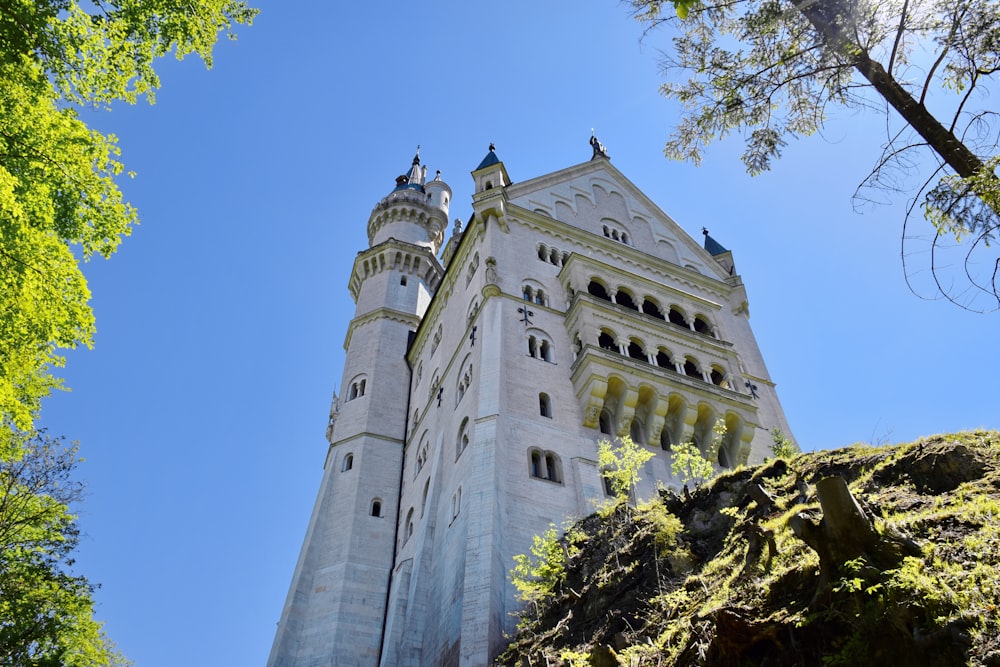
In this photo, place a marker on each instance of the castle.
(477, 383)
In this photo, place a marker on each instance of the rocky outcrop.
(852, 557)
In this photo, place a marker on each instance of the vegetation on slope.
(722, 577)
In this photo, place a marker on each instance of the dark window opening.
(625, 299)
(597, 289)
(606, 342)
(675, 317)
(651, 308)
(691, 370)
(635, 351)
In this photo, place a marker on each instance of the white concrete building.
(477, 383)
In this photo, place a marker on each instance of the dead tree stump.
(846, 533)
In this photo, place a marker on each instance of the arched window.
(553, 468)
(663, 360)
(409, 526)
(545, 465)
(540, 298)
(402, 280)
(357, 388)
(376, 507)
(623, 298)
(666, 441)
(636, 432)
(421, 454)
(463, 384)
(463, 438)
(539, 347)
(604, 422)
(456, 503)
(595, 288)
(676, 317)
(607, 342)
(719, 377)
(691, 369)
(545, 405)
(635, 350)
(702, 326)
(651, 308)
(348, 463)
(437, 340)
(543, 252)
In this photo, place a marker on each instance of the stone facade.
(476, 387)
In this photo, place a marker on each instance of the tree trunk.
(846, 533)
(825, 16)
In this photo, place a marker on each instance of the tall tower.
(569, 309)
(335, 608)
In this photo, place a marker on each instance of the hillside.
(909, 573)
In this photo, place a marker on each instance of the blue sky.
(221, 321)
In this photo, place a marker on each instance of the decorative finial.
(458, 226)
(492, 147)
(704, 230)
(416, 158)
(599, 149)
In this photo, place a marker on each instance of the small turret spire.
(416, 176)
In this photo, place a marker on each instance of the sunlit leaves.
(60, 200)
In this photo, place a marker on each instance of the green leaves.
(58, 178)
(47, 611)
(621, 464)
(59, 204)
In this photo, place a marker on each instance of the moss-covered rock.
(731, 584)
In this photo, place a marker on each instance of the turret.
(414, 212)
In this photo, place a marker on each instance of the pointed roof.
(711, 245)
(413, 180)
(490, 159)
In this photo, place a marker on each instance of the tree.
(781, 446)
(690, 465)
(60, 203)
(770, 68)
(58, 185)
(46, 612)
(621, 464)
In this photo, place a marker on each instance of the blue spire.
(490, 159)
(711, 245)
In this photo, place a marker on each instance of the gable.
(597, 198)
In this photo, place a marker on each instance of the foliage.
(665, 525)
(621, 464)
(60, 203)
(58, 186)
(770, 69)
(747, 579)
(540, 574)
(47, 611)
(781, 446)
(689, 465)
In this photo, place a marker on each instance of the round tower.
(337, 601)
(414, 212)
